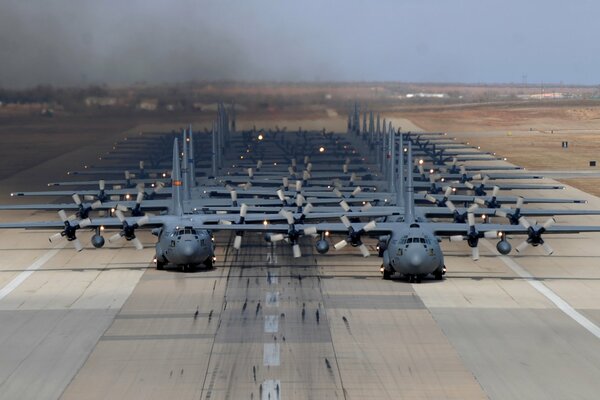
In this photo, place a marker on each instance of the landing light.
(101, 227)
(265, 222)
(127, 196)
(241, 157)
(326, 233)
(260, 137)
(321, 149)
(431, 171)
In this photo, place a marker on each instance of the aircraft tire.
(387, 275)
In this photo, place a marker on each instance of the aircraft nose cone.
(187, 250)
(415, 260)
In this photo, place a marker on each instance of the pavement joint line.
(548, 293)
(37, 264)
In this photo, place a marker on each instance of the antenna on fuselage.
(176, 181)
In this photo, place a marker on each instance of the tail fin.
(192, 160)
(185, 178)
(176, 181)
(400, 178)
(409, 206)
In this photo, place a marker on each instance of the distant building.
(100, 101)
(148, 104)
(426, 95)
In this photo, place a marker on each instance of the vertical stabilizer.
(185, 178)
(409, 206)
(400, 180)
(176, 181)
(392, 161)
(192, 160)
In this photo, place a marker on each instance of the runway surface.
(103, 324)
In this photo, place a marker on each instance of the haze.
(72, 42)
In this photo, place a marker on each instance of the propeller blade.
(345, 221)
(356, 191)
(286, 182)
(101, 184)
(337, 192)
(471, 219)
(77, 244)
(298, 186)
(547, 248)
(136, 242)
(299, 200)
(364, 251)
(276, 237)
(280, 195)
(89, 197)
(450, 206)
(475, 177)
(311, 230)
(469, 185)
(309, 167)
(495, 191)
(479, 201)
(430, 198)
(456, 238)
(243, 210)
(524, 223)
(296, 251)
(519, 202)
(305, 175)
(259, 164)
(340, 245)
(344, 205)
(475, 253)
(143, 221)
(76, 199)
(96, 204)
(287, 215)
(345, 168)
(448, 191)
(233, 195)
(63, 215)
(501, 213)
(84, 223)
(55, 237)
(115, 237)
(307, 209)
(369, 226)
(490, 234)
(139, 198)
(472, 208)
(237, 242)
(120, 215)
(121, 207)
(522, 246)
(366, 207)
(250, 173)
(306, 158)
(549, 222)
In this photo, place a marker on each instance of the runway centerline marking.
(271, 354)
(549, 294)
(270, 390)
(19, 279)
(271, 323)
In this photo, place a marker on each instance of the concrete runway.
(100, 324)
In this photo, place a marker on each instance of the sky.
(84, 42)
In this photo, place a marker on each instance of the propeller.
(354, 236)
(71, 227)
(84, 209)
(442, 202)
(128, 230)
(534, 235)
(458, 217)
(492, 202)
(473, 235)
(513, 216)
(101, 194)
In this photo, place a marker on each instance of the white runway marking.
(271, 323)
(272, 278)
(548, 293)
(272, 299)
(19, 279)
(271, 354)
(270, 390)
